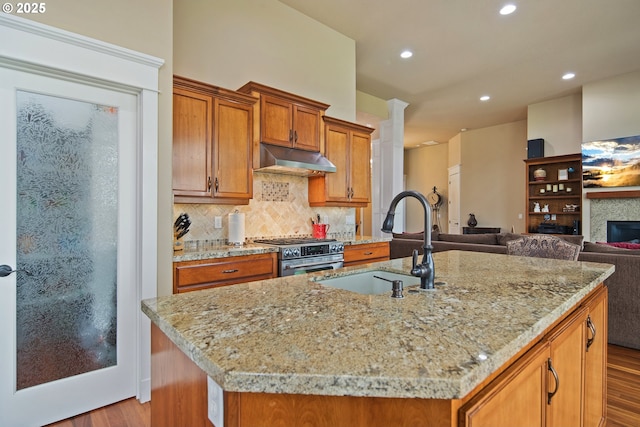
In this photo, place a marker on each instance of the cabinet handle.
(591, 327)
(295, 136)
(234, 270)
(555, 376)
(290, 135)
(208, 183)
(368, 253)
(217, 184)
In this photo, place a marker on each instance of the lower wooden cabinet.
(517, 397)
(595, 381)
(365, 253)
(560, 382)
(211, 273)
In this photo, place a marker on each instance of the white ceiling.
(464, 49)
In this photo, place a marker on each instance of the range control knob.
(286, 253)
(295, 252)
(336, 248)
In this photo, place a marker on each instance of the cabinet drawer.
(194, 275)
(370, 252)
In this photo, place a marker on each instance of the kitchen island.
(290, 351)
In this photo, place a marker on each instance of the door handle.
(555, 376)
(592, 328)
(6, 270)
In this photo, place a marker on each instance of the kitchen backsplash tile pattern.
(275, 191)
(280, 207)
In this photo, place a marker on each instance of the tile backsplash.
(280, 207)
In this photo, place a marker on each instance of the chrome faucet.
(426, 269)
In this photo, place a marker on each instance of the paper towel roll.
(236, 228)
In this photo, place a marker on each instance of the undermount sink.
(366, 283)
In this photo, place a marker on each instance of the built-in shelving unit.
(558, 194)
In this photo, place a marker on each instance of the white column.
(388, 168)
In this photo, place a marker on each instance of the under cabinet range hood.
(291, 161)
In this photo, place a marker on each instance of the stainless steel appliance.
(306, 255)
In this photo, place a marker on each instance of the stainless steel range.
(306, 255)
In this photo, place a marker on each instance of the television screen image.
(611, 162)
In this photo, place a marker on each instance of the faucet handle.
(415, 258)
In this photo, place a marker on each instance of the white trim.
(43, 45)
(48, 50)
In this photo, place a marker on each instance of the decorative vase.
(472, 221)
(539, 174)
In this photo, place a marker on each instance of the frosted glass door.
(67, 186)
(68, 313)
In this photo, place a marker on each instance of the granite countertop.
(293, 335)
(205, 249)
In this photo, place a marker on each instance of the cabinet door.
(596, 362)
(306, 128)
(336, 150)
(276, 117)
(192, 124)
(517, 397)
(567, 359)
(232, 150)
(360, 167)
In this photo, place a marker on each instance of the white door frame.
(454, 226)
(43, 49)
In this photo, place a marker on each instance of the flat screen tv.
(611, 163)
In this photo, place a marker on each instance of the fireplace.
(623, 231)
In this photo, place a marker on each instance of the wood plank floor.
(623, 399)
(623, 387)
(128, 413)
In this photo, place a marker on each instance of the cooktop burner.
(292, 241)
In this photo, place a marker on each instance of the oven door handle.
(311, 264)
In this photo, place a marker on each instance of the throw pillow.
(597, 247)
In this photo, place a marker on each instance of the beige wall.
(144, 26)
(491, 170)
(559, 123)
(492, 175)
(230, 42)
(611, 107)
(425, 168)
(454, 150)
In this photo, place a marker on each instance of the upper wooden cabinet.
(348, 147)
(212, 144)
(286, 119)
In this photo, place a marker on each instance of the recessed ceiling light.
(406, 54)
(485, 98)
(508, 9)
(568, 76)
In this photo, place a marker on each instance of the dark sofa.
(624, 284)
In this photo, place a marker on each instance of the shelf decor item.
(539, 174)
(563, 174)
(472, 222)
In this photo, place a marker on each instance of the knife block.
(177, 244)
